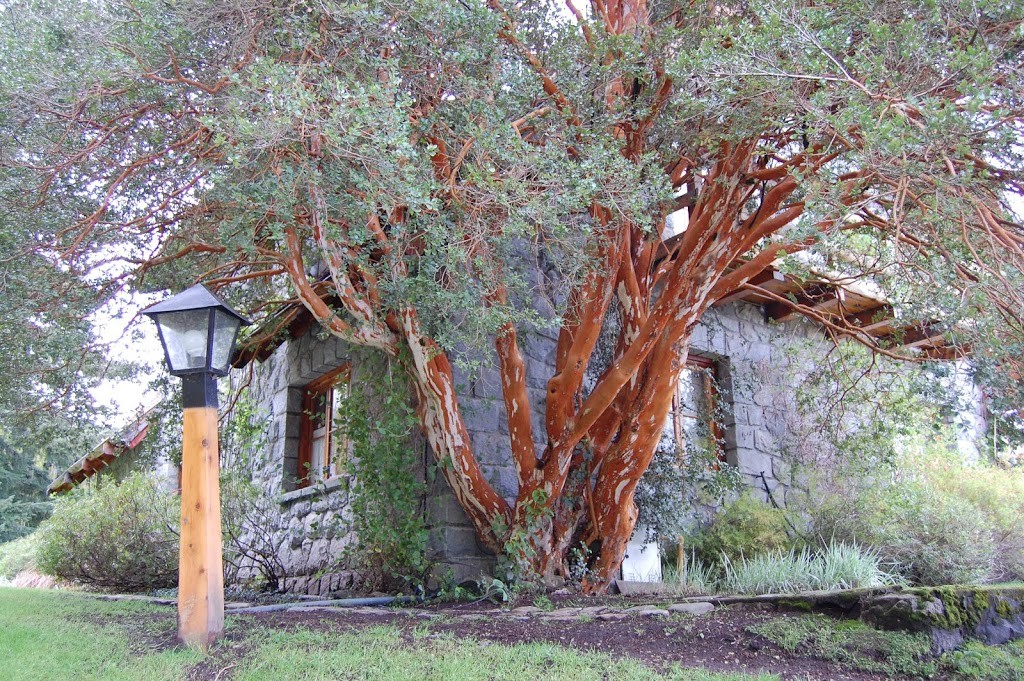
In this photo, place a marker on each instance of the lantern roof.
(197, 297)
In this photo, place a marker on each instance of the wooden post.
(200, 573)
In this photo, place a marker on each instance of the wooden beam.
(818, 297)
(915, 337)
(200, 572)
(873, 319)
(769, 279)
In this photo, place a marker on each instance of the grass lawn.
(59, 635)
(854, 645)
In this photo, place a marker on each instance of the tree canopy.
(423, 173)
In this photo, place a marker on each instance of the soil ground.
(718, 642)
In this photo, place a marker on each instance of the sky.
(133, 339)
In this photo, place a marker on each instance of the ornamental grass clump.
(693, 577)
(838, 566)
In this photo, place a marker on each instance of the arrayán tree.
(403, 168)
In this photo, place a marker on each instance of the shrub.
(746, 527)
(18, 555)
(113, 536)
(694, 578)
(931, 537)
(248, 517)
(995, 493)
(387, 496)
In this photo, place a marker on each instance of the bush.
(931, 537)
(995, 493)
(115, 536)
(248, 517)
(18, 555)
(746, 527)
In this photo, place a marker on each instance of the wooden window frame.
(709, 386)
(323, 386)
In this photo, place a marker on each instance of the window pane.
(695, 420)
(185, 335)
(317, 454)
(225, 330)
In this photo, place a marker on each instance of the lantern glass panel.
(225, 329)
(185, 337)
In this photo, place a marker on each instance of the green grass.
(381, 654)
(987, 663)
(855, 645)
(60, 635)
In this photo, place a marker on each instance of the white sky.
(140, 344)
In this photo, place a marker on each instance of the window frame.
(710, 378)
(324, 386)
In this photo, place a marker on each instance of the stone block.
(538, 373)
(764, 441)
(483, 415)
(699, 338)
(692, 608)
(461, 541)
(487, 383)
(759, 352)
(744, 437)
(443, 509)
(753, 462)
(461, 570)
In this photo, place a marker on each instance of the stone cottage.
(297, 375)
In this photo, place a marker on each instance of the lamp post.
(198, 332)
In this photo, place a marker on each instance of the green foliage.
(994, 493)
(745, 527)
(838, 566)
(673, 490)
(387, 494)
(23, 501)
(695, 578)
(928, 536)
(981, 662)
(32, 451)
(873, 459)
(543, 601)
(495, 591)
(18, 555)
(117, 536)
(514, 563)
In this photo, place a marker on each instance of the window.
(696, 411)
(323, 448)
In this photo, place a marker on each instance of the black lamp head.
(198, 331)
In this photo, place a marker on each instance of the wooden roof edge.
(101, 456)
(289, 321)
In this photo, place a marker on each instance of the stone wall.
(312, 529)
(755, 362)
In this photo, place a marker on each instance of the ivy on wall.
(388, 491)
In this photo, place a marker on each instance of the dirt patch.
(717, 642)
